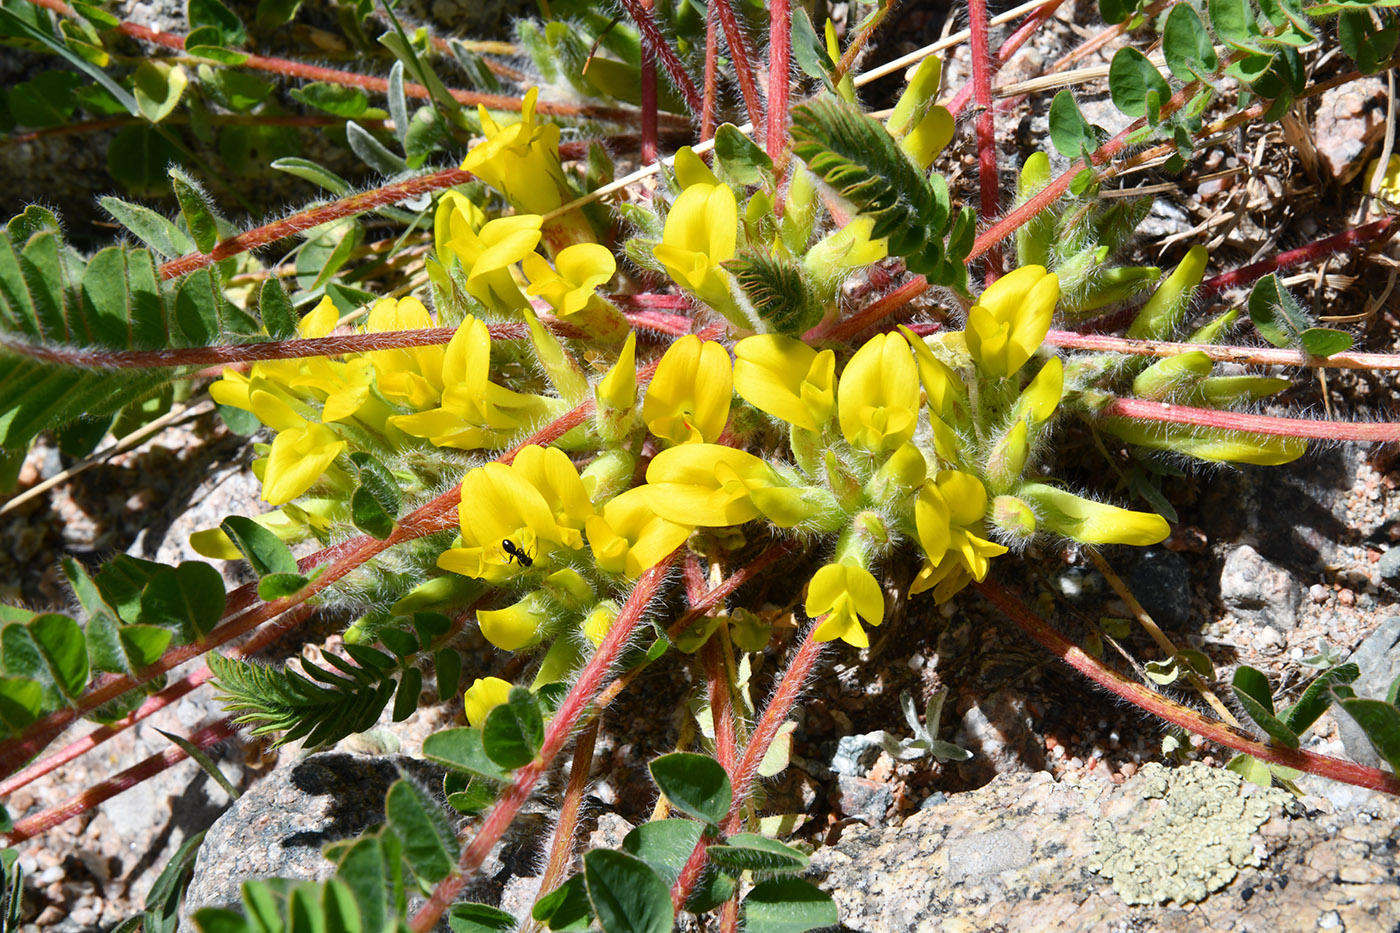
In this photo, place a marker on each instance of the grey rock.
(1349, 119)
(1379, 660)
(1017, 856)
(995, 730)
(1163, 220)
(1259, 590)
(1161, 581)
(856, 753)
(279, 827)
(865, 799)
(1388, 567)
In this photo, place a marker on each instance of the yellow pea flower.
(551, 471)
(787, 379)
(941, 384)
(411, 376)
(1389, 184)
(520, 160)
(627, 537)
(488, 254)
(475, 412)
(691, 169)
(455, 213)
(688, 399)
(1091, 522)
(1010, 320)
(700, 234)
(845, 594)
(298, 458)
(570, 283)
(706, 485)
(617, 391)
(842, 251)
(516, 626)
(878, 398)
(484, 695)
(944, 514)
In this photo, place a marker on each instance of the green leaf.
(274, 13)
(809, 51)
(138, 157)
(429, 845)
(162, 911)
(1234, 22)
(1116, 11)
(337, 99)
(143, 645)
(199, 213)
(1251, 769)
(215, 14)
(372, 152)
(514, 730)
(222, 920)
(281, 585)
(777, 290)
(463, 750)
(1072, 135)
(1380, 722)
(741, 157)
(375, 502)
(788, 905)
(696, 785)
(21, 702)
(627, 896)
(1251, 689)
(328, 248)
(1186, 45)
(190, 597)
(14, 25)
(479, 918)
(264, 550)
(566, 907)
(236, 90)
(339, 908)
(275, 308)
(398, 641)
(208, 43)
(201, 757)
(1317, 697)
(159, 87)
(1136, 86)
(51, 649)
(448, 665)
(853, 154)
(665, 845)
(362, 869)
(1324, 341)
(44, 100)
(751, 852)
(410, 687)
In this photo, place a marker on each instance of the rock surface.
(1254, 586)
(1019, 855)
(1379, 660)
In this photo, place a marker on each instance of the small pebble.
(1318, 593)
(51, 874)
(1346, 598)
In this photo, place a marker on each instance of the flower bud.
(1013, 517)
(1172, 376)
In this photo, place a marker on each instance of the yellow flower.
(627, 537)
(1092, 522)
(411, 376)
(878, 399)
(700, 234)
(298, 458)
(488, 254)
(616, 392)
(577, 272)
(787, 379)
(841, 251)
(1389, 185)
(691, 169)
(706, 485)
(520, 160)
(475, 412)
(537, 504)
(484, 695)
(688, 399)
(845, 594)
(947, 510)
(516, 626)
(942, 386)
(1010, 320)
(455, 213)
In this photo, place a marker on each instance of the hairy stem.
(1259, 356)
(743, 63)
(656, 43)
(1185, 717)
(1144, 410)
(779, 76)
(982, 68)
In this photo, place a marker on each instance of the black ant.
(516, 552)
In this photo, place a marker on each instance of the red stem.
(707, 114)
(779, 75)
(159, 701)
(1381, 229)
(315, 216)
(1033, 21)
(32, 826)
(1144, 410)
(1258, 356)
(743, 64)
(560, 728)
(338, 561)
(791, 683)
(296, 69)
(648, 96)
(653, 40)
(1183, 716)
(982, 68)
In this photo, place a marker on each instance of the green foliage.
(1283, 322)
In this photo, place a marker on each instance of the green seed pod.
(1172, 377)
(1117, 284)
(1224, 391)
(1035, 239)
(1163, 313)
